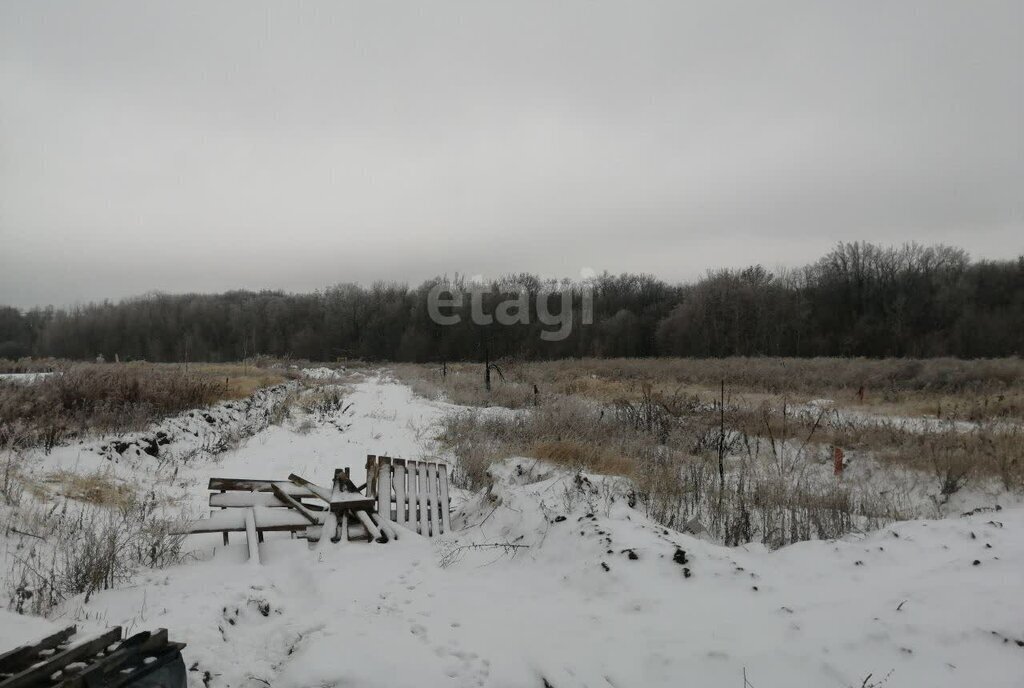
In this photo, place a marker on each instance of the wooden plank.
(225, 520)
(342, 476)
(446, 502)
(317, 491)
(424, 508)
(401, 507)
(134, 650)
(385, 525)
(233, 520)
(250, 536)
(25, 655)
(293, 503)
(247, 485)
(353, 501)
(338, 499)
(371, 475)
(384, 488)
(414, 496)
(344, 528)
(432, 498)
(373, 530)
(329, 529)
(36, 674)
(244, 499)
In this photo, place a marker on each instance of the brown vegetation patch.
(101, 488)
(116, 397)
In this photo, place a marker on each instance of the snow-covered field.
(550, 580)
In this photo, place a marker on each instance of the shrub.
(101, 398)
(85, 549)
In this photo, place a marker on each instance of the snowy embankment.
(553, 580)
(23, 378)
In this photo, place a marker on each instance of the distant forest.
(859, 300)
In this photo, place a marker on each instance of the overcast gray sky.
(213, 145)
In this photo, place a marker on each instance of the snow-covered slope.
(551, 579)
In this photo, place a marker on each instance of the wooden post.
(424, 505)
(371, 530)
(371, 475)
(225, 532)
(250, 536)
(384, 488)
(446, 519)
(329, 531)
(837, 461)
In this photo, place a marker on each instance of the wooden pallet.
(104, 660)
(413, 494)
(296, 505)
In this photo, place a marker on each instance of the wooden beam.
(247, 485)
(424, 506)
(384, 489)
(446, 502)
(371, 475)
(321, 492)
(432, 513)
(373, 530)
(251, 537)
(293, 503)
(401, 506)
(244, 499)
(385, 526)
(233, 520)
(133, 649)
(329, 529)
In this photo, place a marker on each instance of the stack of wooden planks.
(398, 495)
(338, 513)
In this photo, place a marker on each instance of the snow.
(547, 577)
(829, 413)
(323, 373)
(23, 378)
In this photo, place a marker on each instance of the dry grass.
(71, 550)
(32, 365)
(761, 398)
(240, 379)
(464, 384)
(660, 423)
(85, 398)
(950, 388)
(767, 495)
(100, 488)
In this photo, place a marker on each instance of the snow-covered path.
(380, 417)
(599, 596)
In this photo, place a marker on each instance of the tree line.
(861, 299)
